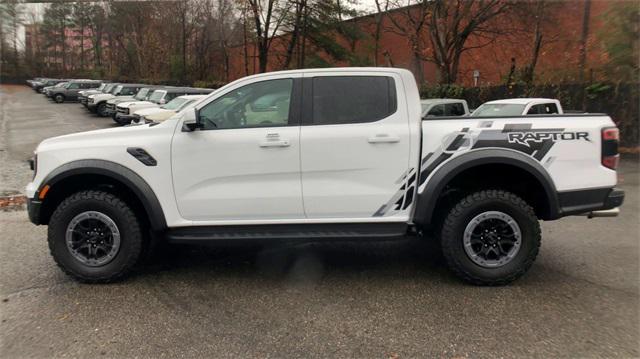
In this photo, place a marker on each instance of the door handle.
(383, 138)
(279, 143)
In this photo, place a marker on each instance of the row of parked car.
(125, 103)
(139, 103)
(507, 107)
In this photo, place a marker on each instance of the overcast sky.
(37, 9)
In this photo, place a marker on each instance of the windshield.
(186, 104)
(142, 94)
(175, 103)
(116, 90)
(101, 87)
(498, 109)
(157, 96)
(108, 88)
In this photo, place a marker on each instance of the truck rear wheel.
(490, 237)
(95, 237)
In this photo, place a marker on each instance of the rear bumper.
(33, 208)
(591, 200)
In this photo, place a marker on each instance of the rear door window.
(543, 109)
(436, 111)
(352, 99)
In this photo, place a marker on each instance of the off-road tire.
(58, 98)
(459, 216)
(100, 110)
(131, 236)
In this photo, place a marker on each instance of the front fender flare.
(117, 172)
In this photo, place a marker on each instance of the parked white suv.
(162, 113)
(125, 110)
(320, 154)
(98, 102)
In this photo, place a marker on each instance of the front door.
(355, 147)
(244, 165)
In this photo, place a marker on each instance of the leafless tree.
(268, 16)
(409, 22)
(452, 23)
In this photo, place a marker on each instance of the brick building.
(78, 49)
(558, 59)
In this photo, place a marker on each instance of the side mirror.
(191, 122)
(191, 126)
(162, 101)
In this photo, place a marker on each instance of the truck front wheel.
(102, 110)
(95, 237)
(490, 237)
(59, 98)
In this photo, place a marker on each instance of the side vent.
(143, 156)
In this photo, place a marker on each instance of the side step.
(373, 231)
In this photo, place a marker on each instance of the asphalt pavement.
(360, 300)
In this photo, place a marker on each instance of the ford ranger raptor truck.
(318, 154)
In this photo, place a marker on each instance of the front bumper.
(123, 119)
(33, 208)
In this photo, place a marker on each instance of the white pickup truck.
(318, 154)
(519, 107)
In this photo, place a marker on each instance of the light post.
(476, 76)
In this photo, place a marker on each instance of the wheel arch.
(83, 174)
(525, 167)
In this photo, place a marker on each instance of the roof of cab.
(132, 85)
(193, 97)
(520, 101)
(440, 100)
(396, 70)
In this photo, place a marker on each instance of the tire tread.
(448, 230)
(131, 222)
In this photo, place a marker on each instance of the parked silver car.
(69, 92)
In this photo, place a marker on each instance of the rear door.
(354, 146)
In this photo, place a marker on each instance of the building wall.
(50, 56)
(558, 60)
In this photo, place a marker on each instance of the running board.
(198, 234)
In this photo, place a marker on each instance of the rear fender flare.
(435, 185)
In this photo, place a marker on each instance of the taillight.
(610, 139)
